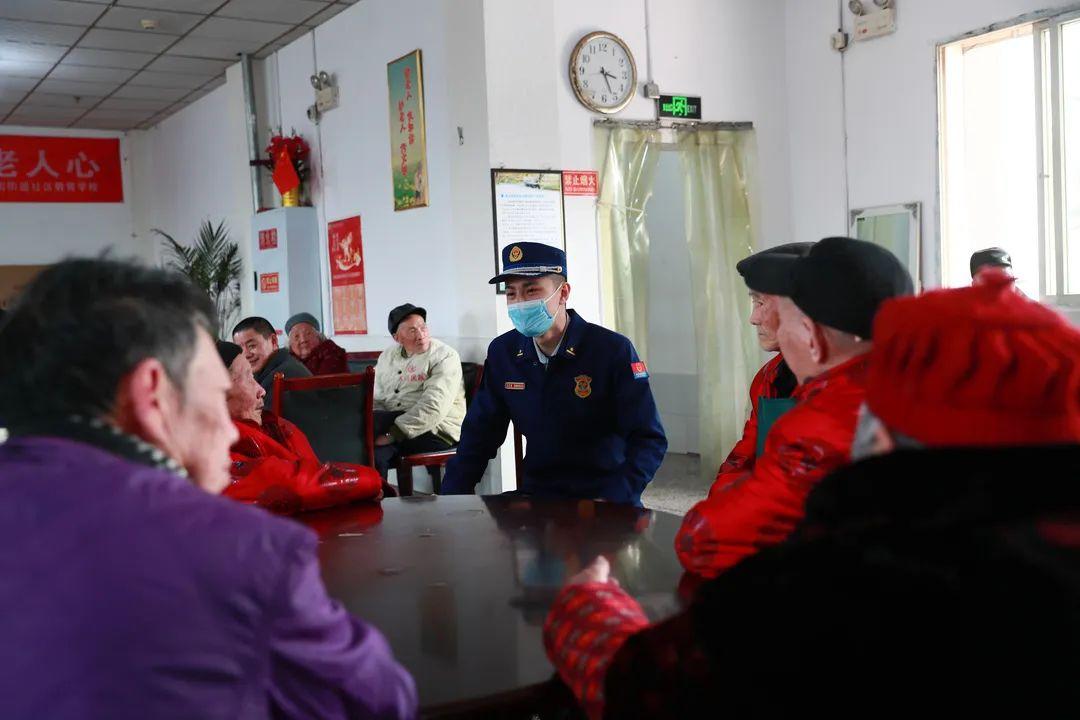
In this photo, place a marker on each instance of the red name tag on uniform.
(514, 386)
(639, 370)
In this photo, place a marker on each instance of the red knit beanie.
(976, 366)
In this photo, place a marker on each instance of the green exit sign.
(685, 107)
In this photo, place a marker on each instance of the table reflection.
(460, 585)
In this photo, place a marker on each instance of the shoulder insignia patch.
(639, 370)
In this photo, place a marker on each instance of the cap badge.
(515, 254)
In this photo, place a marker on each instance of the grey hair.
(864, 444)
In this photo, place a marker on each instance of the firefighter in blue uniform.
(577, 392)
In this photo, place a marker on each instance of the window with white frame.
(1009, 128)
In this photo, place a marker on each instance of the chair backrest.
(334, 412)
(471, 376)
(361, 361)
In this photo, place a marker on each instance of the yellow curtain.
(628, 159)
(718, 166)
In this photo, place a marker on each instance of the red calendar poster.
(347, 277)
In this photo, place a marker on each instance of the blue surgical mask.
(532, 317)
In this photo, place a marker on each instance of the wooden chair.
(472, 374)
(335, 412)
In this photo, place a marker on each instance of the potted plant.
(212, 263)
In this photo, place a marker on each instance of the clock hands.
(606, 75)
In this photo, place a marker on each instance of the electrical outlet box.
(839, 41)
(875, 25)
(326, 98)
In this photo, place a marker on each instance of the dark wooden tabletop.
(460, 585)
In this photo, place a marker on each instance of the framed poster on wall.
(408, 139)
(347, 295)
(527, 206)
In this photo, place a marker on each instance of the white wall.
(719, 49)
(437, 257)
(193, 167)
(42, 233)
(891, 111)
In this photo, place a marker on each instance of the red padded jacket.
(756, 508)
(274, 466)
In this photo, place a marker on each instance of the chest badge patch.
(583, 386)
(514, 386)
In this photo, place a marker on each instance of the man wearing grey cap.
(419, 395)
(320, 355)
(828, 300)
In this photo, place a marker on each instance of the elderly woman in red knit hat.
(940, 571)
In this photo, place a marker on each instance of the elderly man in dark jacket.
(128, 588)
(940, 573)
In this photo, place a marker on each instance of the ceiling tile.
(294, 34)
(33, 52)
(105, 124)
(14, 89)
(247, 31)
(50, 113)
(17, 68)
(121, 40)
(122, 103)
(192, 6)
(81, 89)
(107, 58)
(212, 48)
(64, 71)
(169, 23)
(173, 80)
(195, 66)
(43, 99)
(326, 14)
(150, 93)
(284, 11)
(51, 11)
(132, 116)
(39, 32)
(21, 118)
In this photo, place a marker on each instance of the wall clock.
(602, 72)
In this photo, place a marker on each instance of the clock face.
(602, 72)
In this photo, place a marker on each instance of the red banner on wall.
(347, 277)
(579, 182)
(269, 283)
(268, 239)
(37, 168)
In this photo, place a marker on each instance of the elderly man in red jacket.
(941, 569)
(273, 464)
(830, 297)
(765, 274)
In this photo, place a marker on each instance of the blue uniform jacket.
(591, 422)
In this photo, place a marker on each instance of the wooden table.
(460, 585)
